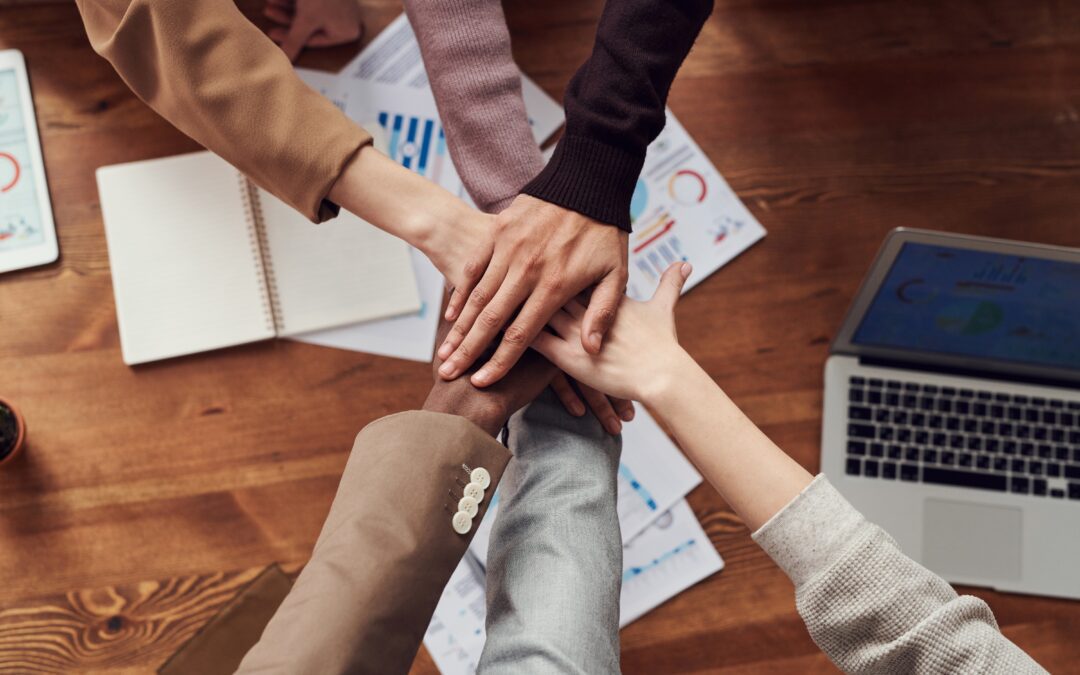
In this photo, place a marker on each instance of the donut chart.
(687, 187)
(5, 159)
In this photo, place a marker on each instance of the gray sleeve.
(554, 567)
(871, 608)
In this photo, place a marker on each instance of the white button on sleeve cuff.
(481, 477)
(474, 491)
(468, 505)
(462, 522)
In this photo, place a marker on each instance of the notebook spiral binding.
(260, 252)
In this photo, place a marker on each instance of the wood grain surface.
(148, 495)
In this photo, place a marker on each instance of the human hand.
(313, 23)
(641, 353)
(489, 408)
(543, 255)
(607, 409)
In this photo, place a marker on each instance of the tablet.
(27, 234)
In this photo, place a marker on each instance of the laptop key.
(1074, 490)
(1000, 464)
(948, 457)
(929, 456)
(982, 462)
(1057, 492)
(965, 459)
(1038, 487)
(1017, 466)
(1035, 467)
(870, 468)
(853, 466)
(861, 431)
(970, 479)
(909, 472)
(1053, 469)
(1019, 484)
(859, 412)
(856, 448)
(888, 470)
(1072, 471)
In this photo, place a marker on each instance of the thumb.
(600, 314)
(671, 285)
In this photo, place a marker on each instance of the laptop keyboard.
(906, 431)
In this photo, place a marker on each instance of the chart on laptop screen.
(979, 304)
(20, 217)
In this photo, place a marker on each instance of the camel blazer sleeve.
(211, 73)
(386, 551)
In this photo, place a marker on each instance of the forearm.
(419, 210)
(755, 476)
(870, 607)
(477, 87)
(615, 106)
(211, 73)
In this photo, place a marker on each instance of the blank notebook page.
(338, 272)
(186, 276)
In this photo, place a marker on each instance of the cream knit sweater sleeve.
(871, 608)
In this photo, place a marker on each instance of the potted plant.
(12, 431)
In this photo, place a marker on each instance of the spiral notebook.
(202, 259)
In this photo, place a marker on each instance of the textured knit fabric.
(871, 608)
(477, 87)
(555, 558)
(211, 73)
(615, 105)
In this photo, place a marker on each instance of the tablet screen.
(20, 213)
(981, 304)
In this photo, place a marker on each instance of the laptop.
(952, 408)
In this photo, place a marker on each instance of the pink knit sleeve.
(477, 87)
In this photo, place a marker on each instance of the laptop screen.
(977, 304)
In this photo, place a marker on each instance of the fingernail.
(685, 270)
(445, 351)
(481, 377)
(578, 409)
(594, 340)
(447, 369)
(613, 425)
(449, 314)
(628, 415)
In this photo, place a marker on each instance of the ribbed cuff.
(812, 531)
(595, 179)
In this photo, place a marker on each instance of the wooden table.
(148, 496)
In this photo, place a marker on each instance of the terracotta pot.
(7, 411)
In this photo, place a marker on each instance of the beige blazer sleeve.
(211, 73)
(386, 551)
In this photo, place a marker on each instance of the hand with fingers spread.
(544, 255)
(313, 23)
(641, 351)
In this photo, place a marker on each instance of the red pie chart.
(5, 158)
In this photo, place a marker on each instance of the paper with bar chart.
(393, 57)
(673, 554)
(683, 210)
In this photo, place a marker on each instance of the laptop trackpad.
(971, 540)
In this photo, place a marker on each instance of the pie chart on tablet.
(9, 171)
